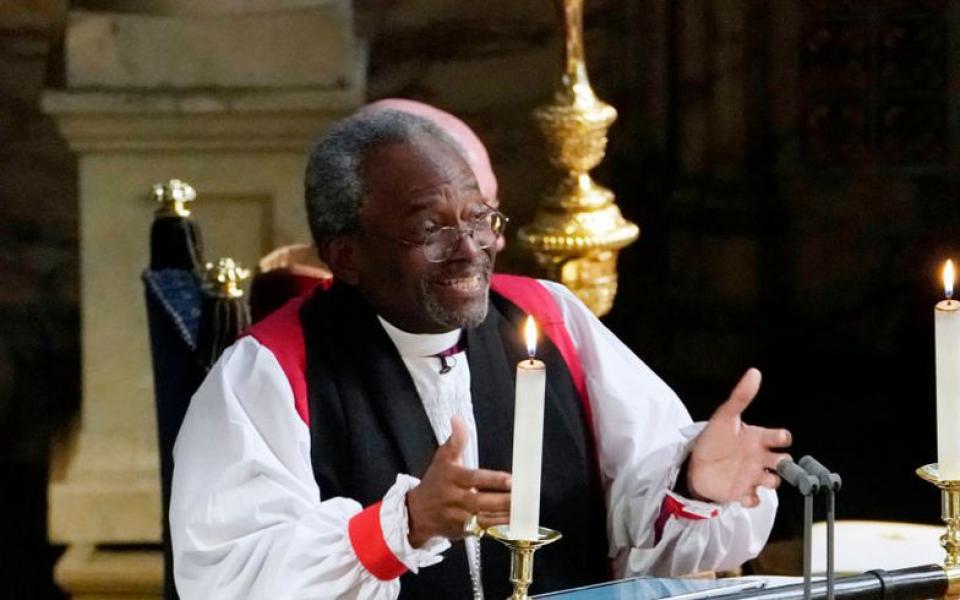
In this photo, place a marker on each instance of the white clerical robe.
(247, 521)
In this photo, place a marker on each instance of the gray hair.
(334, 182)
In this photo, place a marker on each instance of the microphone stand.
(808, 486)
(831, 483)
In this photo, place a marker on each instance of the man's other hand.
(729, 458)
(449, 493)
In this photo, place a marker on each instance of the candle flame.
(948, 278)
(530, 334)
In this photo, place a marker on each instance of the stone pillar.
(227, 95)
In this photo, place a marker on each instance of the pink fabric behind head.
(476, 153)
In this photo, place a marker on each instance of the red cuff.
(366, 536)
(672, 507)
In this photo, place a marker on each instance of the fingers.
(483, 479)
(484, 520)
(491, 509)
(777, 438)
(769, 480)
(494, 515)
(449, 493)
(773, 459)
(488, 503)
(742, 394)
(493, 519)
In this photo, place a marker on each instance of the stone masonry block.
(309, 47)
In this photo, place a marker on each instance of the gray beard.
(472, 315)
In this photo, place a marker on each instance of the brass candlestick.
(521, 555)
(949, 511)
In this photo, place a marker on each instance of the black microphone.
(828, 479)
(797, 477)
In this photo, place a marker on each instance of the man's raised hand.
(729, 458)
(449, 493)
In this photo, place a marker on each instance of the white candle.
(527, 441)
(947, 337)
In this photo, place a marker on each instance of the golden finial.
(173, 197)
(578, 230)
(226, 277)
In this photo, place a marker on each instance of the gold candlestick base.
(521, 555)
(949, 511)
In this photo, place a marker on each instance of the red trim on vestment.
(282, 334)
(671, 507)
(536, 300)
(366, 536)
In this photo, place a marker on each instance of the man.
(392, 390)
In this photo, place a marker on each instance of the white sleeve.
(246, 519)
(643, 435)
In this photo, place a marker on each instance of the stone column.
(226, 95)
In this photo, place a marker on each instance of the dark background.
(792, 166)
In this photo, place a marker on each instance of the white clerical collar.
(412, 345)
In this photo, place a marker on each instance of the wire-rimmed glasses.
(440, 244)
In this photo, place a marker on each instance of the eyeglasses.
(440, 244)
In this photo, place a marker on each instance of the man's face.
(409, 191)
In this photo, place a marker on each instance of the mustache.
(482, 266)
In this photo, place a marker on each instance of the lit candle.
(947, 337)
(527, 441)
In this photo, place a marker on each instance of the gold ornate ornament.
(226, 277)
(578, 230)
(173, 197)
